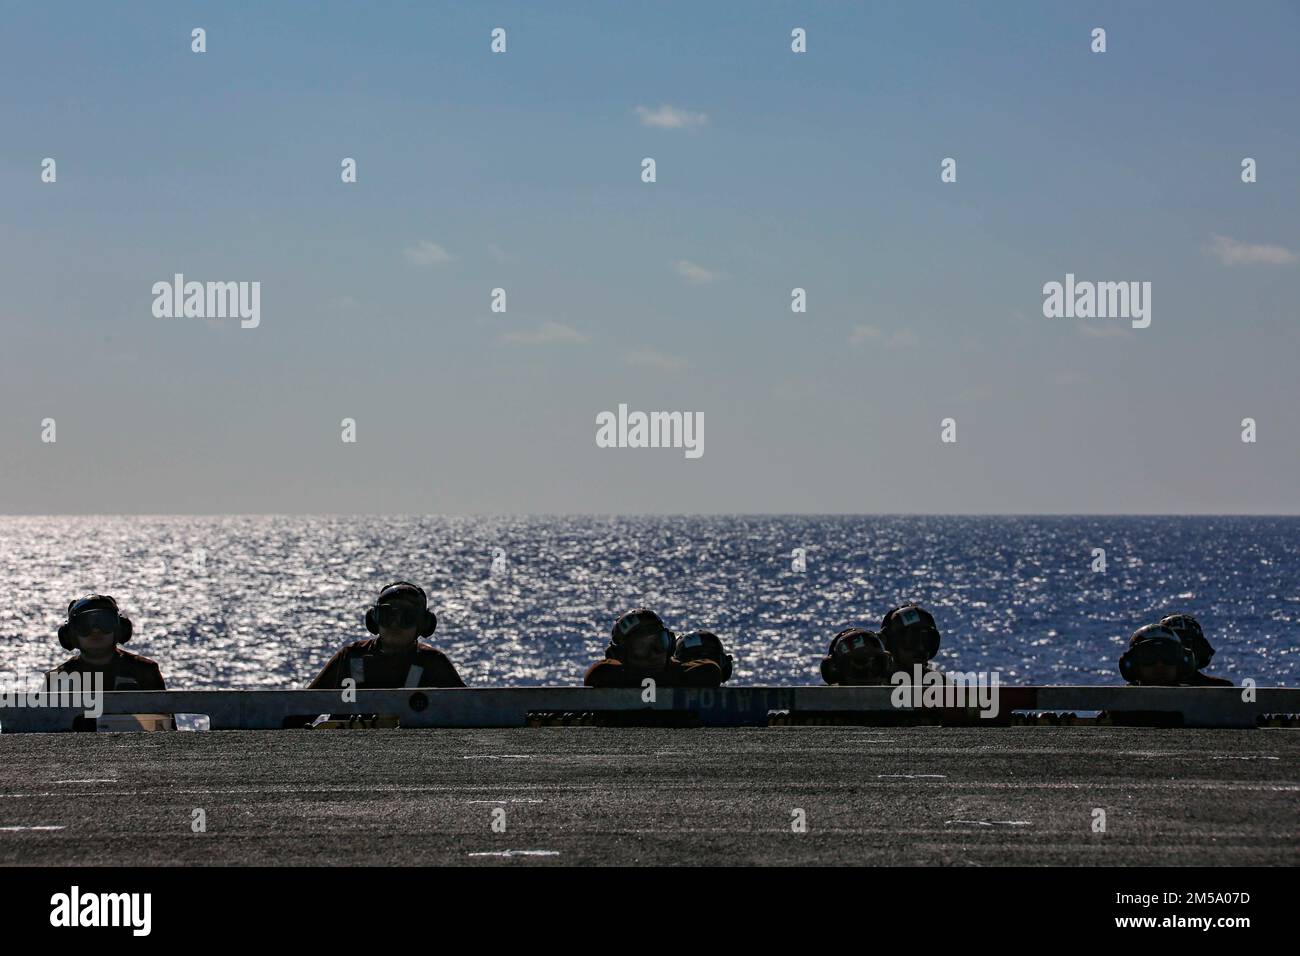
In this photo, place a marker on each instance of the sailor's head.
(1155, 657)
(910, 635)
(642, 640)
(1189, 632)
(400, 614)
(94, 627)
(703, 646)
(858, 656)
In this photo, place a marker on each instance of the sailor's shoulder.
(428, 650)
(135, 660)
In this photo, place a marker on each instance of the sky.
(775, 170)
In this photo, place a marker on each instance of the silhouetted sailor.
(911, 636)
(396, 657)
(1189, 632)
(703, 646)
(642, 647)
(857, 657)
(95, 629)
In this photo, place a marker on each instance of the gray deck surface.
(599, 795)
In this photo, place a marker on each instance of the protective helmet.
(705, 645)
(856, 649)
(634, 623)
(906, 621)
(1155, 643)
(1189, 632)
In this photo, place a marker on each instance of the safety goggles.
(397, 615)
(104, 620)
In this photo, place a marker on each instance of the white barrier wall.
(724, 707)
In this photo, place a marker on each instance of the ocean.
(263, 601)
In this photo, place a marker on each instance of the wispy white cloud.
(670, 117)
(870, 335)
(426, 253)
(1234, 252)
(649, 358)
(548, 333)
(695, 273)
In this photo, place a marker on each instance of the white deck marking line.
(989, 823)
(912, 776)
(508, 800)
(497, 757)
(13, 829)
(510, 853)
(100, 780)
(1252, 757)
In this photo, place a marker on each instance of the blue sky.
(818, 170)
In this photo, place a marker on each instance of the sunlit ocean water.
(262, 601)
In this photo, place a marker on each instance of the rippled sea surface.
(263, 601)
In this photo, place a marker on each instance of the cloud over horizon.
(426, 253)
(548, 333)
(1234, 252)
(670, 117)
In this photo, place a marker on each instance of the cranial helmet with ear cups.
(1189, 632)
(638, 621)
(1156, 639)
(835, 666)
(410, 593)
(905, 620)
(703, 645)
(100, 604)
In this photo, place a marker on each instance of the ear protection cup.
(830, 673)
(126, 629)
(614, 652)
(430, 623)
(66, 638)
(1201, 652)
(1126, 667)
(371, 624)
(726, 667)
